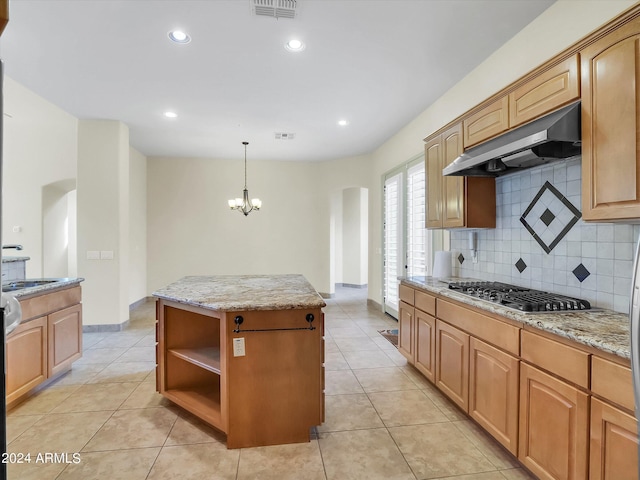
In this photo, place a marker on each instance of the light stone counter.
(59, 284)
(15, 259)
(605, 330)
(233, 293)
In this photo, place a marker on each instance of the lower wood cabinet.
(554, 420)
(406, 331)
(452, 363)
(613, 453)
(425, 344)
(64, 339)
(26, 358)
(493, 392)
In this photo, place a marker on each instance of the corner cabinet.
(610, 125)
(455, 202)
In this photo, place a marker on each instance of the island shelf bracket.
(239, 320)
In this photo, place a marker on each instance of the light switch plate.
(106, 254)
(238, 347)
(93, 255)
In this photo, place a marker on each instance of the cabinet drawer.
(612, 381)
(488, 122)
(493, 331)
(562, 360)
(407, 294)
(425, 302)
(552, 89)
(50, 302)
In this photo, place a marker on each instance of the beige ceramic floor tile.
(408, 407)
(356, 344)
(80, 373)
(124, 372)
(120, 340)
(60, 432)
(100, 355)
(145, 396)
(383, 343)
(44, 401)
(139, 428)
(418, 378)
(367, 359)
(195, 462)
(188, 429)
(133, 464)
(383, 379)
(490, 448)
(138, 354)
(345, 332)
(439, 450)
(90, 339)
(330, 345)
(92, 397)
(17, 424)
(349, 412)
(517, 474)
(282, 462)
(396, 357)
(34, 471)
(476, 476)
(363, 455)
(335, 361)
(339, 382)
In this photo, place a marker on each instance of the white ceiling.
(376, 63)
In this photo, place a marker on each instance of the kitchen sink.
(28, 283)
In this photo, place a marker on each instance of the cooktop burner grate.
(519, 298)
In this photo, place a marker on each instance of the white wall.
(355, 236)
(137, 226)
(103, 219)
(192, 231)
(557, 28)
(39, 150)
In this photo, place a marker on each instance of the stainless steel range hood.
(555, 136)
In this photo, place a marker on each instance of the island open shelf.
(269, 389)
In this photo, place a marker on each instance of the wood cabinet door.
(611, 126)
(406, 331)
(452, 363)
(614, 443)
(488, 122)
(493, 392)
(433, 170)
(64, 338)
(26, 357)
(425, 347)
(554, 425)
(452, 187)
(547, 92)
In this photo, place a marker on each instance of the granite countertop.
(603, 329)
(15, 259)
(60, 283)
(233, 293)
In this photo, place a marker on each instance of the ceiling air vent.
(275, 8)
(285, 136)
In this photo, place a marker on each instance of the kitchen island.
(245, 354)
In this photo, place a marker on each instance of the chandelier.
(243, 204)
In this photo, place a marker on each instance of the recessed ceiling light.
(178, 36)
(294, 45)
(343, 123)
(170, 114)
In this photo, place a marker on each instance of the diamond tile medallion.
(581, 273)
(520, 265)
(549, 217)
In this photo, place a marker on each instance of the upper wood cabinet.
(454, 202)
(550, 90)
(610, 125)
(488, 122)
(4, 14)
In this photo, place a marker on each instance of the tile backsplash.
(540, 240)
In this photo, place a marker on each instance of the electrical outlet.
(238, 347)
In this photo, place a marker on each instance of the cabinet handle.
(239, 320)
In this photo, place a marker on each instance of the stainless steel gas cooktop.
(519, 298)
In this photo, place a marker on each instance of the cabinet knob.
(238, 320)
(310, 318)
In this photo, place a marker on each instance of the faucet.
(17, 247)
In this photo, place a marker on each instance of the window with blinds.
(407, 245)
(416, 233)
(392, 241)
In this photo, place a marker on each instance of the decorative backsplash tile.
(592, 261)
(548, 228)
